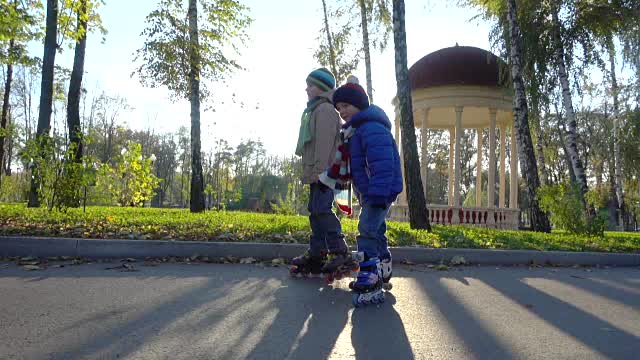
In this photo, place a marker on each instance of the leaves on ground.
(458, 260)
(180, 224)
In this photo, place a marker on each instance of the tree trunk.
(365, 46)
(572, 134)
(75, 86)
(418, 216)
(616, 134)
(539, 220)
(332, 52)
(196, 203)
(46, 88)
(5, 108)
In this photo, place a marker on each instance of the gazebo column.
(479, 170)
(503, 183)
(452, 134)
(513, 191)
(491, 184)
(458, 165)
(424, 138)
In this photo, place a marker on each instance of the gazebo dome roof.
(459, 65)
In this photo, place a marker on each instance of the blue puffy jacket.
(375, 162)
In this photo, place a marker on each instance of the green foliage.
(19, 22)
(165, 55)
(179, 224)
(60, 179)
(68, 26)
(14, 188)
(130, 180)
(563, 203)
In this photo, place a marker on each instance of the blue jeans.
(372, 227)
(326, 232)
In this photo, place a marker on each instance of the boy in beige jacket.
(317, 142)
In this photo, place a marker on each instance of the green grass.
(180, 224)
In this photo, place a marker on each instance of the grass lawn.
(180, 224)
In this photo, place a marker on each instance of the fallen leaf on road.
(124, 267)
(58, 266)
(127, 267)
(458, 260)
(32, 267)
(578, 277)
(128, 260)
(28, 262)
(278, 261)
(407, 262)
(247, 260)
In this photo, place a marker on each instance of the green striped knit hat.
(322, 78)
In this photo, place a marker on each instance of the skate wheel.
(387, 286)
(351, 284)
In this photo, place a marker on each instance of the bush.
(562, 202)
(59, 177)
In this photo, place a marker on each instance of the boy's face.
(346, 110)
(313, 91)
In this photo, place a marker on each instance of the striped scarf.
(338, 176)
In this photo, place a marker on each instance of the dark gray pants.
(326, 233)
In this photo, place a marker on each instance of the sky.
(277, 59)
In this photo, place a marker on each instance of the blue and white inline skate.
(367, 289)
(385, 267)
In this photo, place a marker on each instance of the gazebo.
(457, 89)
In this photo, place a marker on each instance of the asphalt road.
(232, 311)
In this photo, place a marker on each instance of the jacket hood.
(372, 113)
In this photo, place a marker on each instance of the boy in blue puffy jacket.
(376, 176)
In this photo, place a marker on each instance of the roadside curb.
(101, 249)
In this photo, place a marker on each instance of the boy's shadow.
(310, 318)
(378, 333)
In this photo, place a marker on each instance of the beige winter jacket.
(318, 154)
